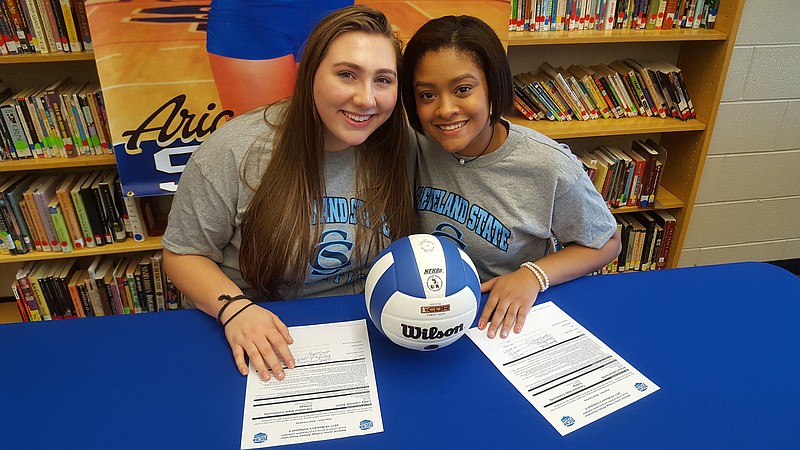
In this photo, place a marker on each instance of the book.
(147, 290)
(80, 210)
(12, 196)
(32, 306)
(54, 208)
(90, 208)
(79, 299)
(120, 286)
(650, 156)
(133, 293)
(114, 221)
(156, 258)
(36, 288)
(41, 241)
(661, 160)
(133, 210)
(43, 194)
(668, 222)
(639, 164)
(26, 214)
(63, 194)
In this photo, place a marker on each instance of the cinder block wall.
(748, 203)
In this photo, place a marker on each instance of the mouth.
(452, 126)
(358, 118)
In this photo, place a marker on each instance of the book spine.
(77, 303)
(44, 310)
(69, 22)
(82, 19)
(71, 218)
(135, 218)
(48, 26)
(30, 299)
(53, 101)
(40, 242)
(85, 301)
(61, 228)
(78, 135)
(47, 223)
(158, 283)
(26, 214)
(83, 219)
(94, 297)
(17, 23)
(114, 222)
(37, 29)
(19, 141)
(147, 285)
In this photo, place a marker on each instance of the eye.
(426, 95)
(384, 80)
(346, 75)
(463, 89)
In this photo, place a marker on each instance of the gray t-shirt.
(503, 208)
(207, 210)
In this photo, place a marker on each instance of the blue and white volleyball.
(422, 292)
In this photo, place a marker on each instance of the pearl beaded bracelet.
(544, 280)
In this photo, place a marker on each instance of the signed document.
(566, 373)
(331, 392)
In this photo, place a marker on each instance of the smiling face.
(453, 101)
(355, 88)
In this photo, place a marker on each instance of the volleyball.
(422, 292)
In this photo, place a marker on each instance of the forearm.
(575, 260)
(200, 279)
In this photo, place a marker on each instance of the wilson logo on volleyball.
(413, 332)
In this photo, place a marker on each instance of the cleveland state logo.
(434, 309)
(414, 332)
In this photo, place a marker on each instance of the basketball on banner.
(422, 292)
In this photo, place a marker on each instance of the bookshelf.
(20, 71)
(703, 57)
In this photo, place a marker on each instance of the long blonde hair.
(278, 238)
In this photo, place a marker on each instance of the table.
(721, 342)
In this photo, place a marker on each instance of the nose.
(364, 96)
(447, 107)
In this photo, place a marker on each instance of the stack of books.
(570, 15)
(66, 213)
(620, 89)
(60, 119)
(626, 177)
(110, 285)
(44, 26)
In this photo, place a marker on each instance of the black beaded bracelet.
(228, 300)
(237, 313)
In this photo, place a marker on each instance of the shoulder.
(544, 150)
(226, 148)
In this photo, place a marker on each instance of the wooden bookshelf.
(57, 163)
(129, 245)
(582, 37)
(703, 57)
(606, 127)
(46, 57)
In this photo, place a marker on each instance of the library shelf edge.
(128, 246)
(704, 58)
(46, 57)
(57, 163)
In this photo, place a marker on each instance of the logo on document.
(640, 386)
(259, 438)
(365, 424)
(568, 421)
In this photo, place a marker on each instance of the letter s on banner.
(163, 162)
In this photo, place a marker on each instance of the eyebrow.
(361, 69)
(455, 80)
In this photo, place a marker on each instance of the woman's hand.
(510, 300)
(261, 335)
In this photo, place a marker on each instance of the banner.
(165, 92)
